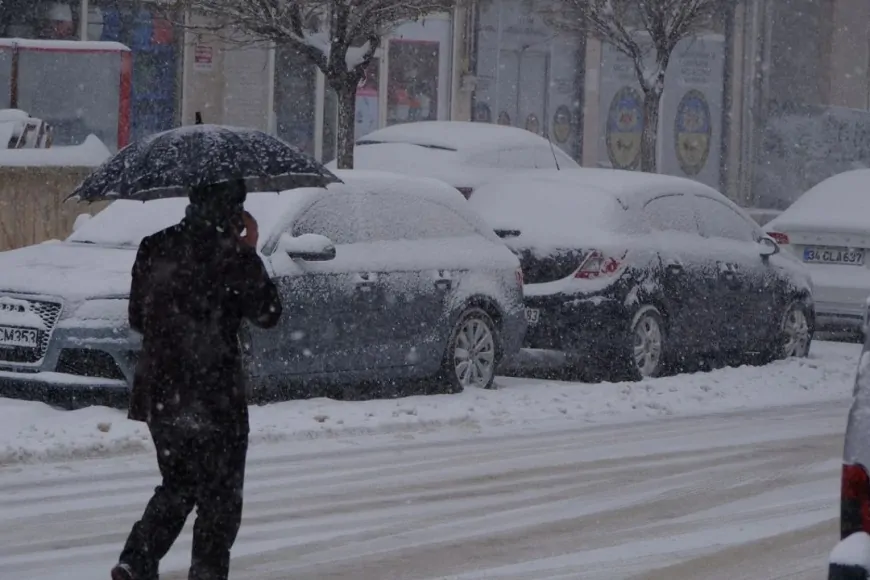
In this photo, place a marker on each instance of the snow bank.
(34, 431)
(853, 551)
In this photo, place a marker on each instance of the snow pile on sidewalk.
(33, 431)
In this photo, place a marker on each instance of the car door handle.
(366, 281)
(727, 270)
(443, 279)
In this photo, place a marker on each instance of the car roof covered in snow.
(126, 223)
(839, 204)
(463, 136)
(628, 187)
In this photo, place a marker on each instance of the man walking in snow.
(193, 284)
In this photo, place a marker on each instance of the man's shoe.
(122, 572)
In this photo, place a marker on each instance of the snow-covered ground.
(34, 432)
(731, 475)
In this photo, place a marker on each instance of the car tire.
(648, 342)
(476, 367)
(794, 336)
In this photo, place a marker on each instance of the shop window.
(155, 44)
(40, 19)
(412, 87)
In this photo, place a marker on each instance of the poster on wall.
(367, 106)
(689, 132)
(691, 129)
(412, 90)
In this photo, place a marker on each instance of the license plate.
(533, 315)
(26, 337)
(844, 256)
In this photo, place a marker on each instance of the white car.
(460, 153)
(828, 229)
(383, 277)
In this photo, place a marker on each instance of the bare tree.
(644, 31)
(340, 37)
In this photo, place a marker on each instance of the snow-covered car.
(634, 273)
(850, 558)
(462, 154)
(382, 277)
(828, 229)
(18, 130)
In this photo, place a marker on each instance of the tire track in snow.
(426, 508)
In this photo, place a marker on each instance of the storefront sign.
(203, 58)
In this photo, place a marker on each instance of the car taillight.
(519, 274)
(600, 265)
(779, 237)
(854, 501)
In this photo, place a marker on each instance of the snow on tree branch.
(638, 27)
(336, 35)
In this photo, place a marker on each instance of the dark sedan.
(635, 273)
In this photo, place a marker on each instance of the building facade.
(155, 44)
(803, 108)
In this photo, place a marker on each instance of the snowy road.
(729, 496)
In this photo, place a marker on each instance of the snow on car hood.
(67, 270)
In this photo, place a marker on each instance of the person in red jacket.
(193, 285)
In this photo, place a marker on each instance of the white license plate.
(26, 337)
(533, 315)
(844, 256)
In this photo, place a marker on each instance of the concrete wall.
(228, 83)
(32, 209)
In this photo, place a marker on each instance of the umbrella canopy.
(168, 164)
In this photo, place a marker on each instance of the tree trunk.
(346, 124)
(649, 138)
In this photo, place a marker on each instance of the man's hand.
(252, 231)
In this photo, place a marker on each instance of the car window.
(401, 216)
(372, 217)
(671, 213)
(720, 221)
(335, 216)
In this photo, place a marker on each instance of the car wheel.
(648, 346)
(795, 333)
(472, 352)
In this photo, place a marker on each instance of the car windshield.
(124, 223)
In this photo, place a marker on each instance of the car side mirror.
(81, 220)
(767, 247)
(308, 247)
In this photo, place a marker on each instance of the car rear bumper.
(839, 316)
(596, 326)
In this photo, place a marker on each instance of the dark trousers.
(206, 470)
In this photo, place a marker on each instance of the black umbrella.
(168, 164)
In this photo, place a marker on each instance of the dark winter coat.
(193, 284)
